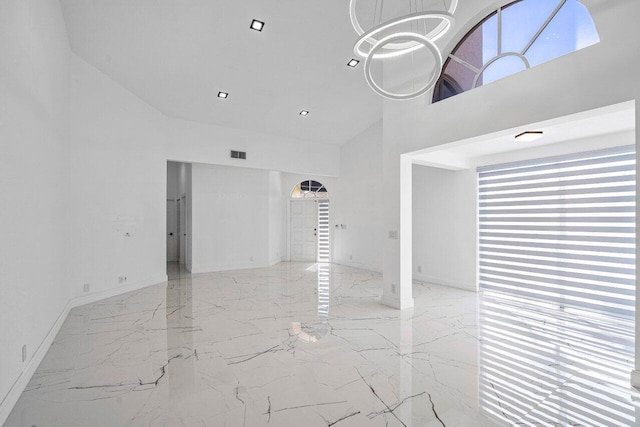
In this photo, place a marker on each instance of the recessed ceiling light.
(529, 135)
(223, 95)
(304, 113)
(353, 63)
(257, 25)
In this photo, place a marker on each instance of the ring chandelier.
(371, 45)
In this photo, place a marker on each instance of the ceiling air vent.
(239, 155)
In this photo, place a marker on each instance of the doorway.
(178, 220)
(172, 231)
(183, 235)
(310, 231)
(304, 230)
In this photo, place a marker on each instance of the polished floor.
(310, 345)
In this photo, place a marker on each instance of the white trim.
(11, 398)
(635, 379)
(230, 267)
(466, 286)
(108, 293)
(543, 27)
(493, 60)
(358, 265)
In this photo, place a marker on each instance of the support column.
(398, 251)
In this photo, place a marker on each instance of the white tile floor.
(308, 345)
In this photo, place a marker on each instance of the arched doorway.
(310, 232)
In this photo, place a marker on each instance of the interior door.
(182, 224)
(172, 231)
(304, 224)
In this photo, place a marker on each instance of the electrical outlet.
(351, 257)
(393, 234)
(122, 279)
(393, 288)
(24, 353)
(85, 287)
(419, 269)
(251, 258)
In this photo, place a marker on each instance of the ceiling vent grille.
(239, 155)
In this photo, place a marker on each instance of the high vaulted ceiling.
(178, 54)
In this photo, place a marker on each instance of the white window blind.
(561, 229)
(323, 231)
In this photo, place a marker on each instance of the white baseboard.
(230, 267)
(357, 265)
(276, 261)
(108, 293)
(25, 376)
(443, 282)
(23, 379)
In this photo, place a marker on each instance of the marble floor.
(310, 345)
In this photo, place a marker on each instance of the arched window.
(310, 190)
(513, 38)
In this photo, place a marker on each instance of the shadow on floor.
(177, 271)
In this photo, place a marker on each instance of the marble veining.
(310, 345)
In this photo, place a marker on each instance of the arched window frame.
(310, 189)
(456, 88)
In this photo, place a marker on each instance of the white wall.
(357, 202)
(84, 166)
(34, 107)
(444, 226)
(173, 180)
(289, 182)
(186, 187)
(277, 219)
(193, 142)
(184, 179)
(564, 86)
(230, 218)
(118, 195)
(120, 147)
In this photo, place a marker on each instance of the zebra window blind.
(561, 229)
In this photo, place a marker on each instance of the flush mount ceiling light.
(529, 135)
(257, 25)
(304, 113)
(389, 38)
(223, 95)
(353, 63)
